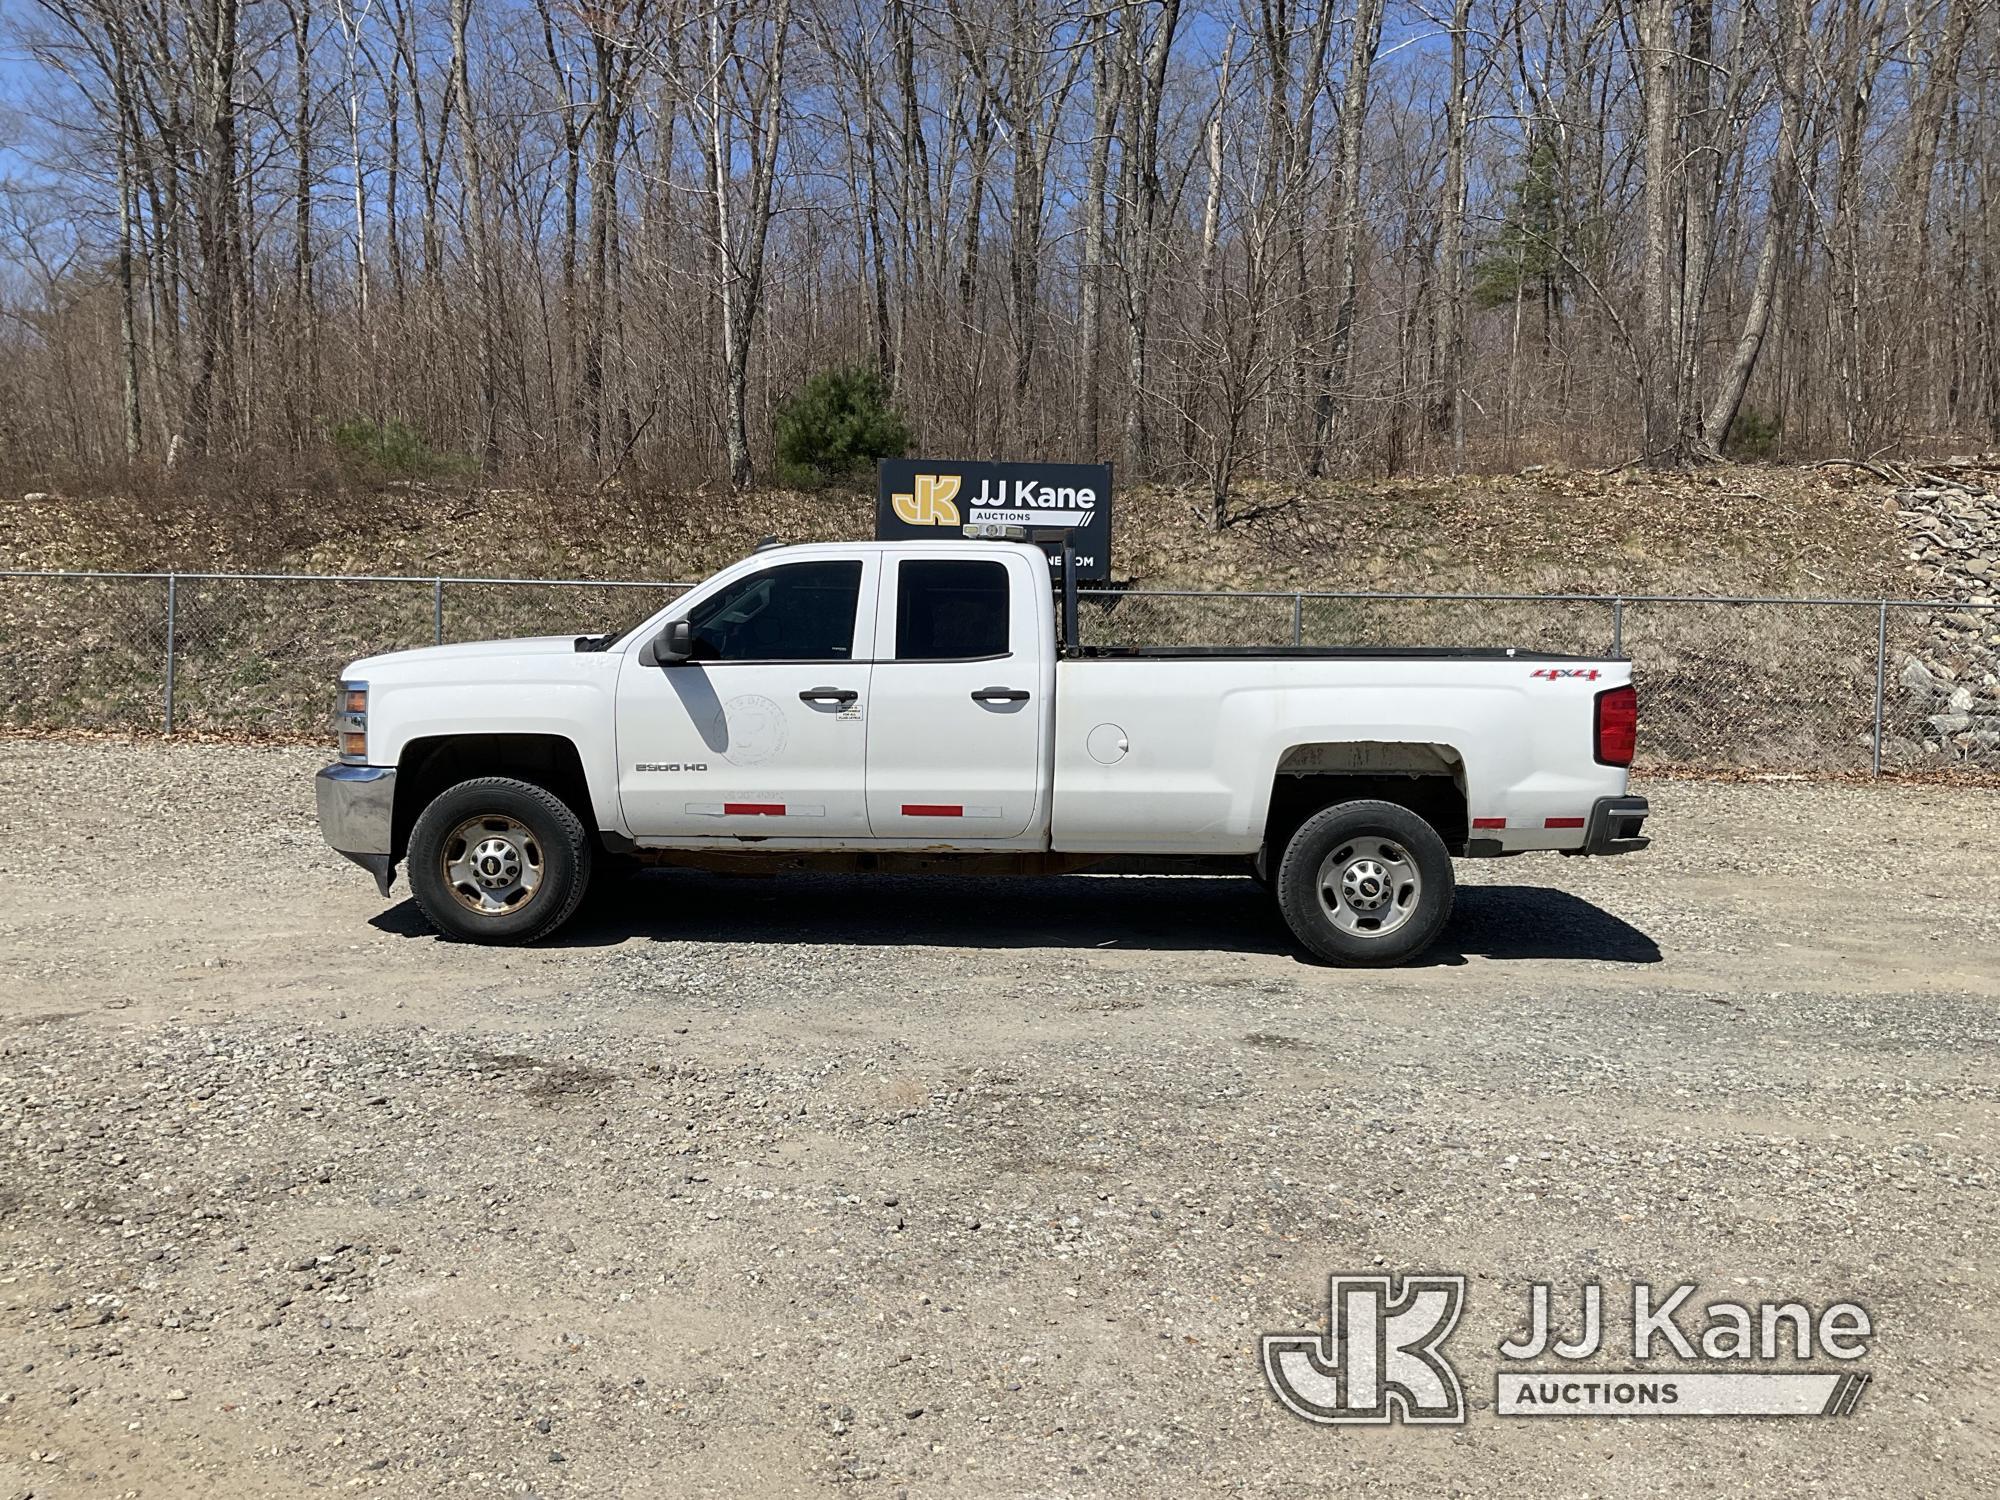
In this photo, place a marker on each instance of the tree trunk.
(1700, 168)
(603, 210)
(477, 241)
(367, 395)
(1205, 267)
(128, 336)
(1105, 80)
(741, 268)
(1139, 218)
(1336, 372)
(302, 380)
(1657, 58)
(1844, 306)
(1794, 24)
(1448, 405)
(211, 409)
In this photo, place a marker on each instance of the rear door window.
(950, 610)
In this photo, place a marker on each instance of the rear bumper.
(1614, 826)
(357, 816)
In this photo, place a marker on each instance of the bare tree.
(212, 28)
(478, 234)
(1345, 252)
(1448, 405)
(1657, 56)
(1140, 199)
(1788, 43)
(1107, 84)
(745, 88)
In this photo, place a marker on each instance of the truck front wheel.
(498, 861)
(1365, 883)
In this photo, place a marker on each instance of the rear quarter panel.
(1206, 737)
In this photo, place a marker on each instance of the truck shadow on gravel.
(1133, 912)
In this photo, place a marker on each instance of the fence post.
(1298, 619)
(1881, 676)
(437, 611)
(173, 581)
(1617, 627)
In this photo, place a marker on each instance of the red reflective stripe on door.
(1489, 822)
(1563, 823)
(753, 809)
(933, 810)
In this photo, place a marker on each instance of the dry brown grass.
(1751, 530)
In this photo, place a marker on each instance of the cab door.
(960, 698)
(764, 731)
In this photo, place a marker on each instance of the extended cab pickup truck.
(912, 706)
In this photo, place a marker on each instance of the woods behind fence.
(1209, 239)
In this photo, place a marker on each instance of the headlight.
(350, 722)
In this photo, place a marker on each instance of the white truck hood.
(418, 661)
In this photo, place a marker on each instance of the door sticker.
(753, 730)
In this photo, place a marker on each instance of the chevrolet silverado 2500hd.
(912, 706)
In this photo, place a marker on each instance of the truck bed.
(1174, 749)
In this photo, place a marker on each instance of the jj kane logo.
(928, 501)
(1382, 1356)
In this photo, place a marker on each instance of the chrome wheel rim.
(1369, 886)
(492, 864)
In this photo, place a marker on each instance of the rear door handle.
(1000, 695)
(828, 695)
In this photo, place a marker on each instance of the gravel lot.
(953, 1188)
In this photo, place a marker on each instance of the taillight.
(1617, 725)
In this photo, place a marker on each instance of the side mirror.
(671, 646)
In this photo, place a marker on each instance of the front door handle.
(828, 695)
(1000, 695)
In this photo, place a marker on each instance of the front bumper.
(357, 816)
(1614, 826)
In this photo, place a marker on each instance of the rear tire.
(499, 861)
(1366, 884)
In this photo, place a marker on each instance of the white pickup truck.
(912, 706)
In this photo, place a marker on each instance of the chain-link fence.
(1804, 685)
(254, 653)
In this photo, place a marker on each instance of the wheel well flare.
(429, 766)
(1426, 778)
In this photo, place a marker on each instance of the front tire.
(498, 861)
(1366, 884)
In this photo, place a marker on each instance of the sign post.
(923, 499)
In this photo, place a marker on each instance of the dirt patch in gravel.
(833, 1186)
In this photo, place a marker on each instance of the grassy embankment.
(258, 657)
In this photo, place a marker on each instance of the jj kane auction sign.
(928, 498)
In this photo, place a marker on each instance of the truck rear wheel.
(498, 861)
(1365, 883)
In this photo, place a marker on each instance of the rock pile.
(1949, 676)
